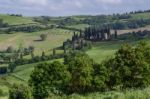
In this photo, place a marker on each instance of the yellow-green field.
(15, 20)
(55, 38)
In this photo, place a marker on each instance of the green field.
(141, 16)
(15, 20)
(79, 26)
(55, 38)
(104, 50)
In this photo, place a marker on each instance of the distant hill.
(16, 20)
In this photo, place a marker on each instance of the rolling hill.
(55, 38)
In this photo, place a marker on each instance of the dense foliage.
(130, 67)
(43, 37)
(3, 70)
(19, 92)
(97, 33)
(27, 28)
(48, 78)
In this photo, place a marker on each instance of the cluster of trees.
(10, 54)
(135, 35)
(121, 16)
(140, 11)
(2, 24)
(29, 28)
(108, 21)
(76, 43)
(16, 57)
(8, 58)
(34, 59)
(3, 69)
(129, 68)
(18, 15)
(96, 33)
(131, 24)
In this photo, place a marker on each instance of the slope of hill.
(55, 38)
(16, 20)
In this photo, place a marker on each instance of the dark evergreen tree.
(116, 34)
(54, 52)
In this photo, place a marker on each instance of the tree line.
(97, 34)
(77, 42)
(138, 35)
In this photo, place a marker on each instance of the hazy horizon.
(71, 7)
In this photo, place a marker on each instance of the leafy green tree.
(11, 67)
(9, 49)
(43, 37)
(116, 34)
(19, 92)
(54, 52)
(49, 78)
(3, 70)
(80, 67)
(129, 67)
(43, 57)
(100, 76)
(31, 49)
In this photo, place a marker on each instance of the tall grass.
(128, 94)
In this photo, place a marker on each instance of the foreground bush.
(49, 78)
(79, 75)
(19, 92)
(130, 67)
(81, 69)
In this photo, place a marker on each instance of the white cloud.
(78, 4)
(110, 1)
(34, 2)
(70, 7)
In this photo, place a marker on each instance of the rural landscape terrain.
(75, 57)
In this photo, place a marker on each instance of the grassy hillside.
(55, 38)
(16, 20)
(141, 16)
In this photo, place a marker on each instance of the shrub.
(3, 70)
(80, 67)
(130, 67)
(49, 78)
(9, 49)
(19, 92)
(43, 37)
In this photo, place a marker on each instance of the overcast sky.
(71, 7)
